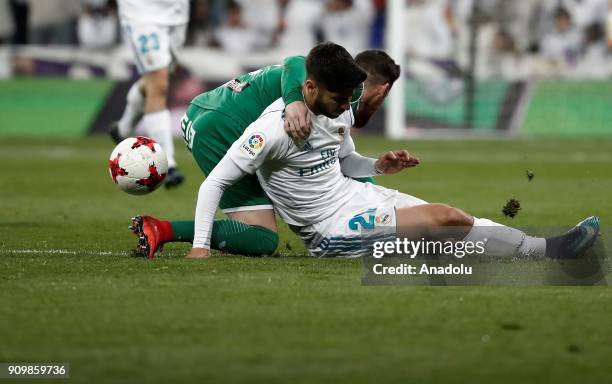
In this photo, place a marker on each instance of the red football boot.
(152, 234)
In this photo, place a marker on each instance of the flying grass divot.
(512, 207)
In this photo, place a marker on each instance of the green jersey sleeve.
(292, 78)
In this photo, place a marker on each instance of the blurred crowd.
(508, 39)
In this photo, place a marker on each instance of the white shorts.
(154, 46)
(350, 232)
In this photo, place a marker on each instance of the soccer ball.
(138, 165)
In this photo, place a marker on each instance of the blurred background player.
(97, 25)
(153, 29)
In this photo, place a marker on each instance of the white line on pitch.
(60, 251)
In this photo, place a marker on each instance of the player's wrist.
(377, 169)
(293, 96)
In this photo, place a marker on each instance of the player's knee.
(450, 216)
(158, 88)
(156, 84)
(457, 218)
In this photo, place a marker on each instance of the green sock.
(231, 236)
(182, 230)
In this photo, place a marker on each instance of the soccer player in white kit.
(154, 30)
(310, 186)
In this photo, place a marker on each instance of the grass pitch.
(70, 292)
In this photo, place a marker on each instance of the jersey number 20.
(360, 220)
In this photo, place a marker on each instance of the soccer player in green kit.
(217, 118)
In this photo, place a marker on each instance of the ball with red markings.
(138, 165)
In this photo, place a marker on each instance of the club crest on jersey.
(253, 145)
(383, 219)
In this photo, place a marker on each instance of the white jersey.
(308, 184)
(303, 180)
(157, 12)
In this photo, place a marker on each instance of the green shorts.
(209, 134)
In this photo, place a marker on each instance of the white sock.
(505, 241)
(134, 108)
(157, 125)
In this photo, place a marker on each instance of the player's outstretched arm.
(352, 164)
(395, 161)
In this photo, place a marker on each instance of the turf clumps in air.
(530, 175)
(511, 208)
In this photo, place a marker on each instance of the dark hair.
(562, 12)
(233, 6)
(380, 67)
(333, 67)
(594, 32)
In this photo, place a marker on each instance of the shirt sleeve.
(260, 141)
(292, 78)
(352, 163)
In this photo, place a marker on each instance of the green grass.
(50, 107)
(69, 291)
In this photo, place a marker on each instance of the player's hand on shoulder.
(394, 161)
(198, 253)
(297, 120)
